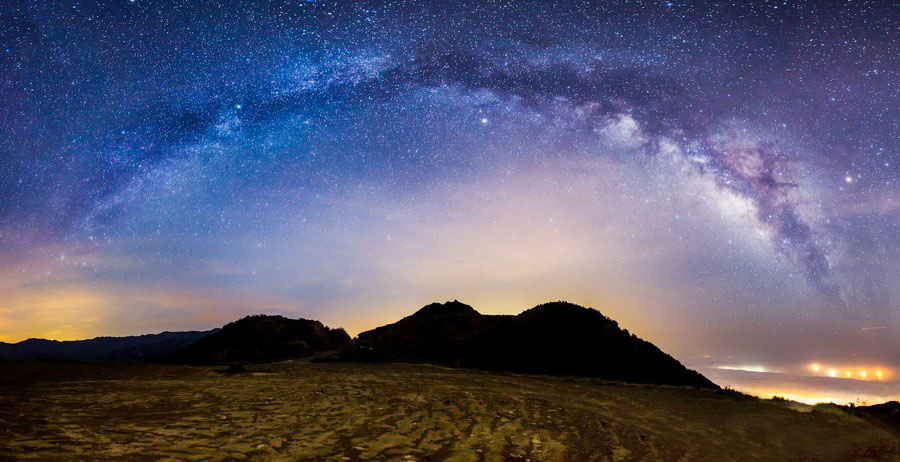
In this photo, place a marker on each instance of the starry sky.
(723, 179)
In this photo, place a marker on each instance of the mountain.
(556, 338)
(262, 338)
(134, 348)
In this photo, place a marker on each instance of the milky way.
(720, 178)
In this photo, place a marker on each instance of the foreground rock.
(554, 338)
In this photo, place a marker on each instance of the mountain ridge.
(555, 338)
(102, 348)
(262, 338)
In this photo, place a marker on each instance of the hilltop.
(556, 338)
(262, 338)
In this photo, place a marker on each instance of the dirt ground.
(340, 412)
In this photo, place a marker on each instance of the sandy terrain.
(338, 412)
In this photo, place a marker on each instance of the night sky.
(722, 179)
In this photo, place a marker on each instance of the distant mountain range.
(148, 347)
(554, 338)
(557, 338)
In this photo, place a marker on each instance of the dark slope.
(135, 348)
(263, 338)
(888, 412)
(554, 338)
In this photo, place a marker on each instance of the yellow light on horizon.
(862, 374)
(847, 373)
(814, 367)
(878, 373)
(832, 373)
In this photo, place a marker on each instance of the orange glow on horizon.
(862, 371)
(74, 312)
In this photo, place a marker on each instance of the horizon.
(810, 384)
(721, 180)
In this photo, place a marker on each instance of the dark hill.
(554, 338)
(888, 412)
(263, 338)
(135, 348)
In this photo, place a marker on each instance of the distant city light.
(861, 372)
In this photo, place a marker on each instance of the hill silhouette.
(262, 338)
(888, 412)
(146, 347)
(557, 338)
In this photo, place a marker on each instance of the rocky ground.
(335, 412)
